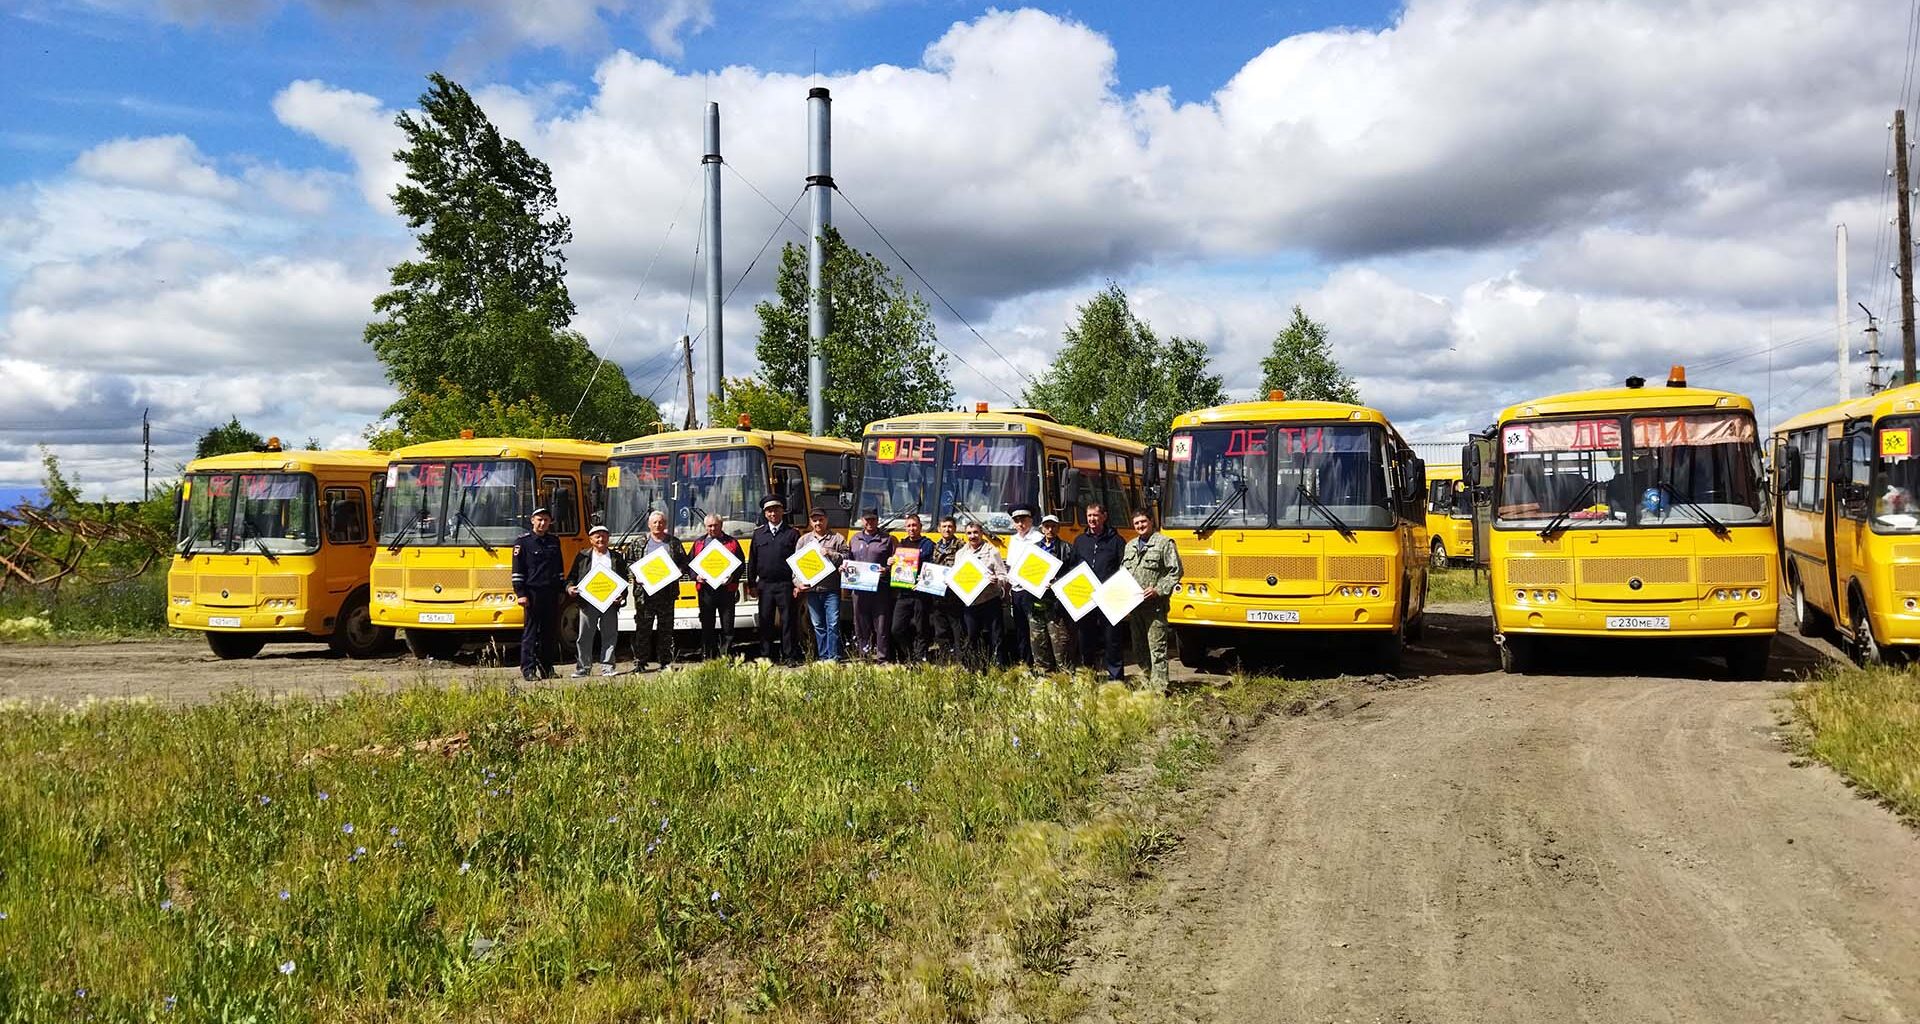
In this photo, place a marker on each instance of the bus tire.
(1390, 655)
(1416, 627)
(433, 644)
(1747, 657)
(1191, 646)
(1438, 557)
(1808, 621)
(354, 633)
(1865, 647)
(1519, 655)
(235, 646)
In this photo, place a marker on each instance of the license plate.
(437, 618)
(232, 621)
(1639, 622)
(1265, 615)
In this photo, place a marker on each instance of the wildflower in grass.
(166, 905)
(285, 895)
(613, 819)
(3, 915)
(347, 828)
(287, 967)
(393, 831)
(169, 1003)
(465, 867)
(80, 993)
(715, 898)
(493, 792)
(324, 795)
(265, 799)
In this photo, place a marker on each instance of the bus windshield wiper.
(400, 539)
(1314, 500)
(265, 550)
(1560, 518)
(1222, 507)
(627, 537)
(900, 516)
(1719, 528)
(460, 518)
(185, 546)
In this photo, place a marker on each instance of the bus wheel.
(1519, 655)
(1438, 557)
(1807, 620)
(1191, 645)
(1747, 657)
(354, 633)
(1389, 656)
(433, 644)
(235, 646)
(1866, 648)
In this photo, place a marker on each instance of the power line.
(943, 301)
(1727, 360)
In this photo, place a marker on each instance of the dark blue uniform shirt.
(536, 562)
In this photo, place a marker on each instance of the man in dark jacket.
(911, 608)
(653, 613)
(947, 609)
(599, 628)
(1049, 627)
(1101, 547)
(717, 604)
(770, 578)
(536, 587)
(872, 626)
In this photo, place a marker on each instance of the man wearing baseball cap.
(872, 612)
(536, 588)
(599, 630)
(1019, 645)
(1051, 628)
(770, 578)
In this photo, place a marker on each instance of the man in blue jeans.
(823, 596)
(1101, 547)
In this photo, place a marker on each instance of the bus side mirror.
(846, 499)
(1416, 473)
(848, 470)
(1791, 470)
(1153, 469)
(1069, 490)
(1470, 466)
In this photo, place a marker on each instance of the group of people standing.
(1004, 625)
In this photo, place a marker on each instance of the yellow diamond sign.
(601, 587)
(715, 560)
(966, 576)
(1078, 591)
(811, 563)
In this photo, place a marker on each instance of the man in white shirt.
(1019, 645)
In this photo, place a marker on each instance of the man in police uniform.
(538, 576)
(770, 578)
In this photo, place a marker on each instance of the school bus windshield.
(688, 487)
(1271, 475)
(975, 479)
(464, 501)
(1896, 477)
(1652, 469)
(269, 512)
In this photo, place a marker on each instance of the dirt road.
(1486, 848)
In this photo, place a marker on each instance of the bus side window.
(593, 478)
(1086, 469)
(346, 515)
(1122, 496)
(790, 484)
(557, 495)
(823, 485)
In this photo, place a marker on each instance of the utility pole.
(1906, 245)
(686, 346)
(1840, 308)
(1873, 350)
(716, 378)
(820, 183)
(146, 455)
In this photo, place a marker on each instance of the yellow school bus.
(274, 546)
(689, 474)
(1449, 516)
(452, 509)
(1849, 522)
(1631, 512)
(979, 466)
(1294, 517)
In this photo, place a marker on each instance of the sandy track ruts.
(1487, 849)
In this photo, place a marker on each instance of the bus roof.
(1265, 412)
(1444, 471)
(1893, 400)
(294, 460)
(1016, 421)
(1623, 399)
(728, 437)
(504, 447)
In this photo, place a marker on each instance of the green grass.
(135, 607)
(1455, 585)
(1866, 724)
(806, 845)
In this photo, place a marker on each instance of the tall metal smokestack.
(716, 363)
(820, 183)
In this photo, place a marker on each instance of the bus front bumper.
(1677, 619)
(238, 620)
(1308, 614)
(447, 616)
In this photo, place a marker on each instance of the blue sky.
(1483, 199)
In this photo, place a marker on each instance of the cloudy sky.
(1484, 200)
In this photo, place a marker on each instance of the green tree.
(1301, 364)
(881, 355)
(485, 308)
(446, 412)
(765, 408)
(1116, 376)
(228, 438)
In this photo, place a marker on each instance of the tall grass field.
(1866, 724)
(819, 844)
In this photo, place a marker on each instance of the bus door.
(344, 510)
(1851, 461)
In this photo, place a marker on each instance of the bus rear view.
(1632, 512)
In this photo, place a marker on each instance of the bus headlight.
(1754, 594)
(386, 596)
(1373, 591)
(1912, 604)
(1520, 595)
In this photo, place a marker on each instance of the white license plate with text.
(230, 621)
(1271, 615)
(1654, 622)
(437, 618)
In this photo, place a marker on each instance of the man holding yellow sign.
(658, 569)
(599, 579)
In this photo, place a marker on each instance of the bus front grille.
(1280, 567)
(493, 579)
(1673, 569)
(280, 586)
(439, 585)
(1531, 543)
(1357, 568)
(1196, 566)
(226, 589)
(1538, 572)
(1906, 578)
(1721, 569)
(387, 577)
